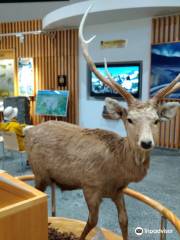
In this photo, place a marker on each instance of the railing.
(166, 214)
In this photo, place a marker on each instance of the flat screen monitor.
(52, 103)
(128, 75)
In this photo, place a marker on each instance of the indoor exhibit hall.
(90, 120)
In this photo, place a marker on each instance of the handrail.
(168, 214)
(25, 177)
(155, 205)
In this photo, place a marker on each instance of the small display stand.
(23, 210)
(76, 227)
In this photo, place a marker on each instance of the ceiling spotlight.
(21, 37)
(37, 32)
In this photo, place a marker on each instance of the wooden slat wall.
(53, 54)
(164, 30)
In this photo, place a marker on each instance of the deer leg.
(40, 185)
(122, 214)
(93, 201)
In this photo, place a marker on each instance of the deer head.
(141, 119)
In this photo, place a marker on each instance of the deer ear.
(168, 110)
(112, 110)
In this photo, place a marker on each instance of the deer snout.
(146, 139)
(146, 144)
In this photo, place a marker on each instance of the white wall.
(138, 34)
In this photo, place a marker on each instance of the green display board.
(52, 103)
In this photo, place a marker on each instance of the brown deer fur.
(78, 158)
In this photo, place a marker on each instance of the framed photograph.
(6, 78)
(26, 77)
(165, 66)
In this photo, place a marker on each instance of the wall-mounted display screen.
(128, 75)
(52, 103)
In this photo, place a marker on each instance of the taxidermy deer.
(99, 162)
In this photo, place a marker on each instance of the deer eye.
(130, 120)
(156, 122)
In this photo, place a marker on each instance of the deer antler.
(173, 86)
(109, 82)
(117, 86)
(174, 89)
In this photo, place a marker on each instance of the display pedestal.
(76, 227)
